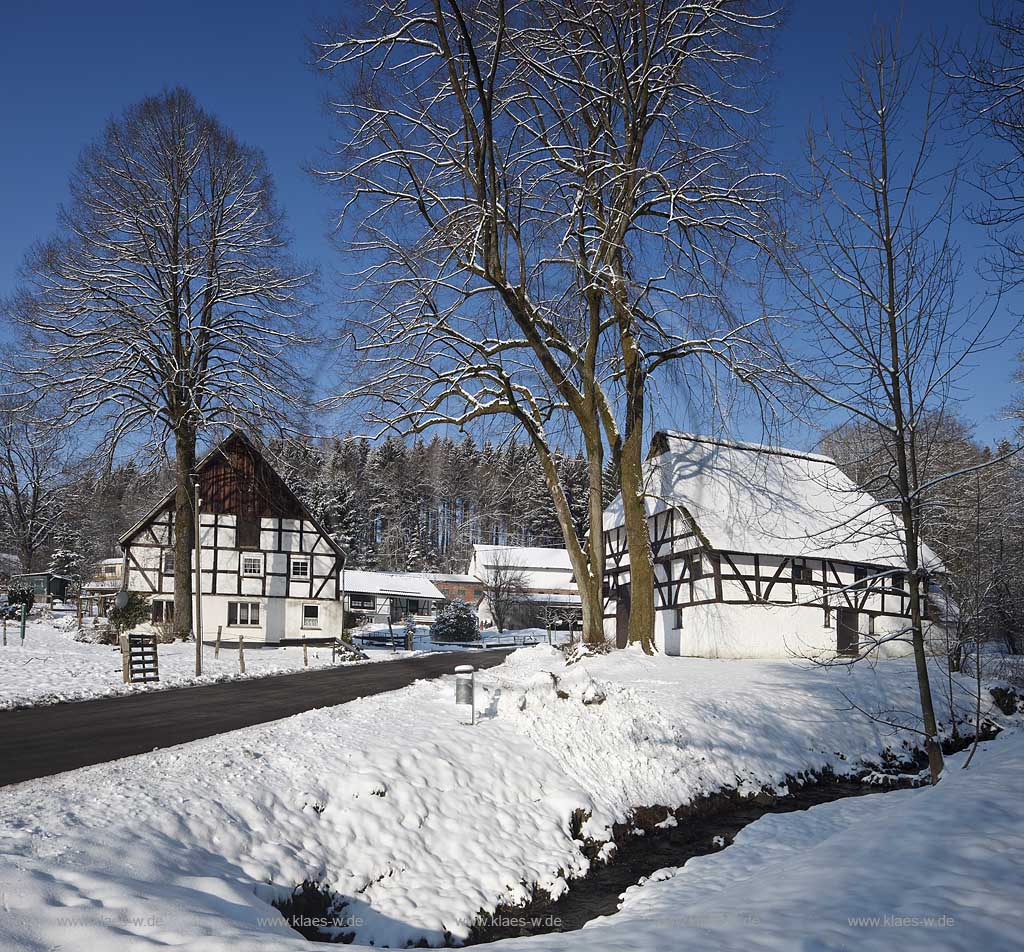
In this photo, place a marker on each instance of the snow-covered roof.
(542, 568)
(442, 577)
(744, 497)
(553, 598)
(390, 583)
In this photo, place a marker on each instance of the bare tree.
(166, 304)
(875, 278)
(988, 83)
(505, 586)
(33, 479)
(549, 193)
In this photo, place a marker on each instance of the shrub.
(134, 613)
(21, 595)
(355, 619)
(456, 621)
(96, 634)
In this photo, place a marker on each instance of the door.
(847, 631)
(622, 602)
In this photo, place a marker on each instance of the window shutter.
(232, 613)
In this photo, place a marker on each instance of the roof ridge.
(660, 444)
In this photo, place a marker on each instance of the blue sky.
(66, 67)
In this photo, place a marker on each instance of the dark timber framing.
(682, 558)
(238, 486)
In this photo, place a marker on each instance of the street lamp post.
(199, 584)
(344, 560)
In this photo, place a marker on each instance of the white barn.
(270, 571)
(762, 552)
(546, 573)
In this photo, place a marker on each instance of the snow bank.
(419, 821)
(930, 868)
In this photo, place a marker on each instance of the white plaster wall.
(758, 631)
(279, 618)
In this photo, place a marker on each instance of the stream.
(597, 893)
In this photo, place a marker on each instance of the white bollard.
(465, 692)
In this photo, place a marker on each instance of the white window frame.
(256, 557)
(296, 561)
(248, 613)
(314, 624)
(165, 554)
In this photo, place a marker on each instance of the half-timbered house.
(763, 552)
(270, 571)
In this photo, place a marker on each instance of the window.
(162, 612)
(310, 616)
(695, 565)
(679, 619)
(362, 603)
(168, 562)
(248, 533)
(898, 582)
(860, 574)
(412, 606)
(300, 568)
(243, 613)
(252, 565)
(802, 571)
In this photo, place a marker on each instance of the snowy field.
(420, 821)
(53, 667)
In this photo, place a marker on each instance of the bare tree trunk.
(184, 528)
(588, 583)
(638, 538)
(931, 730)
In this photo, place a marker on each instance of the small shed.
(45, 586)
(390, 596)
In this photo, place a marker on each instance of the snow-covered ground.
(930, 868)
(421, 821)
(52, 666)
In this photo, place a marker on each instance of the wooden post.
(78, 610)
(305, 654)
(125, 675)
(216, 650)
(5, 632)
(24, 616)
(241, 654)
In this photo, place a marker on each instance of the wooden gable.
(235, 480)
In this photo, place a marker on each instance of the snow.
(359, 581)
(52, 666)
(933, 867)
(421, 821)
(542, 568)
(749, 498)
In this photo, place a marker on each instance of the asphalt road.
(46, 740)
